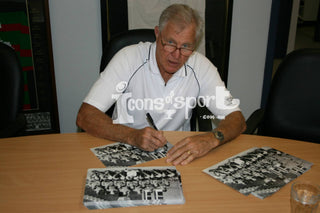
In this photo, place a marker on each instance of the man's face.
(172, 34)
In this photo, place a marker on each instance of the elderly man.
(164, 79)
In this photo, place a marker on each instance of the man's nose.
(176, 53)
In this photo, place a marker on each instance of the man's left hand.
(191, 148)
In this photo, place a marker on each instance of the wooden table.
(47, 173)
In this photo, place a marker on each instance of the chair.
(122, 40)
(12, 121)
(293, 106)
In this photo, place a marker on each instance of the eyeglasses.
(172, 47)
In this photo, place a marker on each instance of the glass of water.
(304, 197)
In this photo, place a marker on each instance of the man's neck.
(166, 76)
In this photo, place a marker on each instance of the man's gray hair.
(182, 15)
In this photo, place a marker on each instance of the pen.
(151, 122)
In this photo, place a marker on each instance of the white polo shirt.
(133, 80)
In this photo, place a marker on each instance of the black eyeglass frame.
(173, 48)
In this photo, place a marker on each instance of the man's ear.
(156, 31)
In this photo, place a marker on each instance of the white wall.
(76, 39)
(249, 36)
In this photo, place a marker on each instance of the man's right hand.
(147, 139)
(98, 124)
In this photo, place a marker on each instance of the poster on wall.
(25, 27)
(121, 15)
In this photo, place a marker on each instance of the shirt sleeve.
(213, 93)
(112, 81)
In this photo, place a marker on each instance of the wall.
(76, 39)
(249, 36)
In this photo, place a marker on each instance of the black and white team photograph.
(132, 186)
(121, 154)
(259, 171)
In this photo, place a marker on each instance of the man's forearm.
(98, 124)
(232, 126)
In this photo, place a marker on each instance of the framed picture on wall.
(217, 16)
(25, 26)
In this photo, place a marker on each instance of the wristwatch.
(219, 135)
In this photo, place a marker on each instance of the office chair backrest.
(293, 107)
(11, 87)
(122, 40)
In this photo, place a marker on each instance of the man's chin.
(173, 68)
